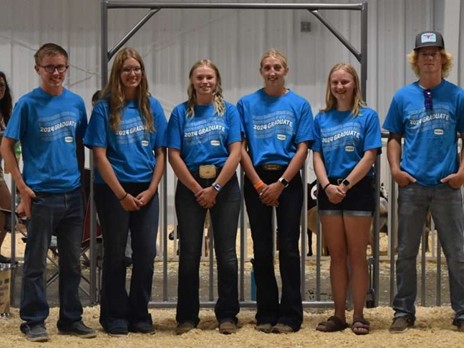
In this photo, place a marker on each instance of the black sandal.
(360, 326)
(332, 324)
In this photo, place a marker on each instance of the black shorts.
(359, 200)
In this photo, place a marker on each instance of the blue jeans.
(445, 204)
(119, 309)
(290, 309)
(59, 214)
(224, 218)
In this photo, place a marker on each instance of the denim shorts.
(359, 200)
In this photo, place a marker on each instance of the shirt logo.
(349, 148)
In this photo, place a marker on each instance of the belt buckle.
(207, 171)
(272, 166)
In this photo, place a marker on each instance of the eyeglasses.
(129, 70)
(51, 68)
(428, 99)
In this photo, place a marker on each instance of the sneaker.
(280, 328)
(142, 327)
(184, 327)
(459, 324)
(35, 333)
(227, 327)
(265, 327)
(117, 331)
(78, 329)
(401, 324)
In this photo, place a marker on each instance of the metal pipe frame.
(155, 7)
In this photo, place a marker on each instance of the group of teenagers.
(269, 133)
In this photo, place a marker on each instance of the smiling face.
(131, 74)
(52, 82)
(273, 71)
(342, 86)
(204, 81)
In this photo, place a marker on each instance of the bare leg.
(357, 234)
(334, 234)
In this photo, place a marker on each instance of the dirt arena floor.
(433, 329)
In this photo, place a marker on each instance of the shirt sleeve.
(95, 135)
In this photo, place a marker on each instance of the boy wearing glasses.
(50, 122)
(428, 114)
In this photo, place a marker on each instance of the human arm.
(455, 180)
(401, 177)
(270, 194)
(360, 170)
(144, 196)
(335, 194)
(27, 194)
(180, 169)
(128, 202)
(207, 196)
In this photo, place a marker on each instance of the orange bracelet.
(257, 185)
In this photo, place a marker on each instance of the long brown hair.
(331, 101)
(218, 99)
(114, 91)
(6, 103)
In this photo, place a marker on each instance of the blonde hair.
(447, 59)
(114, 91)
(275, 54)
(218, 99)
(331, 101)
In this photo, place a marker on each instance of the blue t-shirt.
(204, 138)
(130, 150)
(342, 139)
(430, 136)
(47, 127)
(274, 126)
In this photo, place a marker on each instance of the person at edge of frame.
(428, 115)
(50, 122)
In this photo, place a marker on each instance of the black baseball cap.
(429, 39)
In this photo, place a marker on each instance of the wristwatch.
(346, 183)
(216, 186)
(283, 181)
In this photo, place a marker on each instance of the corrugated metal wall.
(173, 39)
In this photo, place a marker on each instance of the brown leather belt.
(272, 167)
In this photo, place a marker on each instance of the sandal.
(332, 324)
(360, 326)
